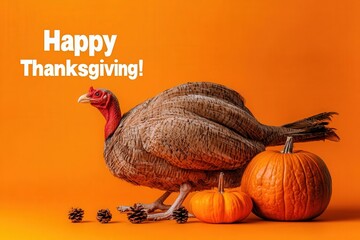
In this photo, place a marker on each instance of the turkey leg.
(158, 204)
(185, 189)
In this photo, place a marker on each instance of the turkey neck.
(112, 116)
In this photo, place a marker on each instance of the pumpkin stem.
(221, 183)
(289, 145)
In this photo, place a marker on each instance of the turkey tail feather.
(308, 129)
(321, 118)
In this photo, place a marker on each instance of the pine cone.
(138, 214)
(104, 215)
(76, 215)
(181, 215)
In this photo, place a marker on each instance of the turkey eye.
(97, 94)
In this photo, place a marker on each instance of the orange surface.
(289, 59)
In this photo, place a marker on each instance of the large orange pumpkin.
(221, 206)
(288, 185)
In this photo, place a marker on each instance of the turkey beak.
(84, 99)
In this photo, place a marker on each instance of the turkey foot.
(158, 204)
(185, 189)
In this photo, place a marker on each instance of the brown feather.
(191, 133)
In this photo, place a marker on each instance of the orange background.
(289, 59)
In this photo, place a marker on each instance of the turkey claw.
(124, 209)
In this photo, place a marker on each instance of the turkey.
(181, 139)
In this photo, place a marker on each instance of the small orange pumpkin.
(221, 206)
(288, 185)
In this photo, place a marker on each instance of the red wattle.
(112, 116)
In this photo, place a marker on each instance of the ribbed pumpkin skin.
(287, 187)
(215, 207)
